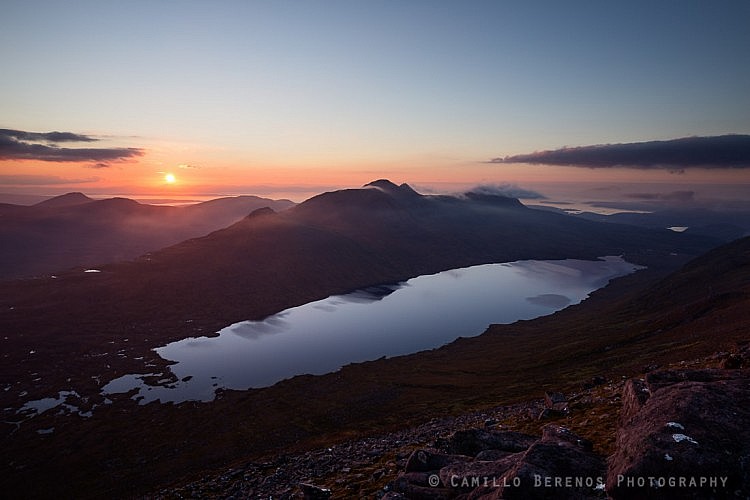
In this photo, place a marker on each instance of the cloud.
(725, 151)
(681, 196)
(42, 146)
(185, 166)
(507, 190)
(53, 137)
(40, 180)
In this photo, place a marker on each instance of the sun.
(170, 178)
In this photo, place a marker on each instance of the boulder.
(471, 475)
(559, 434)
(551, 413)
(472, 441)
(401, 487)
(683, 433)
(556, 401)
(492, 455)
(429, 460)
(560, 465)
(635, 393)
(312, 492)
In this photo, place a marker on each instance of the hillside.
(426, 400)
(74, 230)
(79, 330)
(727, 224)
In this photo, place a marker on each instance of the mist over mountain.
(74, 230)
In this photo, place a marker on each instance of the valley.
(79, 330)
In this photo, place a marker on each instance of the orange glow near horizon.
(166, 170)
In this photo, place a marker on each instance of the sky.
(298, 97)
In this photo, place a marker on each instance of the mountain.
(352, 238)
(80, 330)
(269, 261)
(75, 230)
(65, 200)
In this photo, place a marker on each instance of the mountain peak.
(382, 184)
(389, 187)
(65, 200)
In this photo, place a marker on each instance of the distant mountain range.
(75, 230)
(331, 243)
(344, 240)
(79, 330)
(269, 261)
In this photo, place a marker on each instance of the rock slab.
(683, 434)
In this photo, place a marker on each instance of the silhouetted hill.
(235, 207)
(65, 200)
(74, 230)
(714, 275)
(477, 227)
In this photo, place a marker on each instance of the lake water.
(320, 337)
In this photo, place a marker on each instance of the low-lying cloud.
(43, 146)
(725, 151)
(507, 190)
(680, 196)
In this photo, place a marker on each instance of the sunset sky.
(296, 97)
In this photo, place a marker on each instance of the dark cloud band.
(725, 151)
(54, 137)
(42, 146)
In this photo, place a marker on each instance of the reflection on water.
(389, 320)
(552, 300)
(369, 294)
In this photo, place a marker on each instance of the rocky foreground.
(678, 432)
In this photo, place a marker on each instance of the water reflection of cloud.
(253, 330)
(329, 307)
(371, 293)
(552, 300)
(569, 271)
(564, 268)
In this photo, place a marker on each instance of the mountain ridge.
(80, 330)
(75, 230)
(74, 198)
